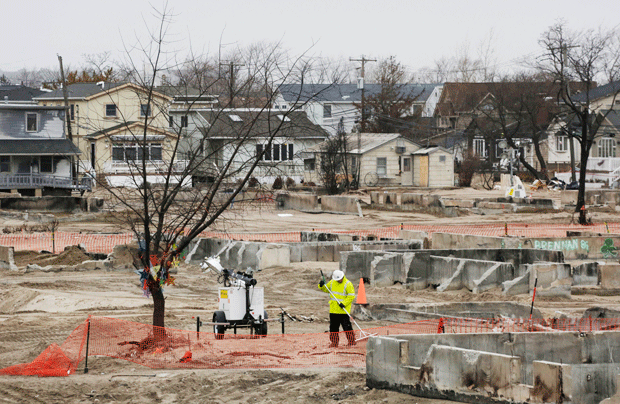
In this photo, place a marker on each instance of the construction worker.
(342, 295)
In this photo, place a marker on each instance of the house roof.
(38, 147)
(18, 93)
(598, 92)
(431, 150)
(79, 91)
(367, 142)
(613, 117)
(129, 125)
(293, 93)
(230, 123)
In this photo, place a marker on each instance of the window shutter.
(290, 151)
(259, 150)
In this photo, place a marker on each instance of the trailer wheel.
(218, 330)
(261, 329)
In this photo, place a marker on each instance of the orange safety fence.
(105, 243)
(165, 348)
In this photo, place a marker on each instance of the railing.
(15, 181)
(153, 166)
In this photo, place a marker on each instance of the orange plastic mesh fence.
(170, 348)
(104, 243)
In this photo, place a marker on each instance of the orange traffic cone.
(361, 294)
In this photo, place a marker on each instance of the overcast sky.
(417, 32)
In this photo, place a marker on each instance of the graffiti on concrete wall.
(608, 249)
(562, 245)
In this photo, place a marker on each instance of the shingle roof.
(346, 92)
(613, 117)
(38, 147)
(598, 92)
(18, 93)
(230, 123)
(79, 90)
(366, 141)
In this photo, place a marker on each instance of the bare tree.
(391, 109)
(163, 212)
(582, 57)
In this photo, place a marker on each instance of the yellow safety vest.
(343, 292)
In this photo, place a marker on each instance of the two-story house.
(329, 104)
(36, 158)
(239, 135)
(116, 125)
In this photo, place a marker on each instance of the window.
(607, 147)
(327, 111)
(309, 164)
(145, 110)
(442, 159)
(184, 121)
(46, 164)
(110, 110)
(31, 122)
(406, 164)
(561, 143)
(72, 112)
(123, 152)
(382, 166)
(5, 164)
(171, 122)
(284, 118)
(276, 152)
(480, 147)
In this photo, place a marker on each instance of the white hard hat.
(337, 275)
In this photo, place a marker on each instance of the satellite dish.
(503, 144)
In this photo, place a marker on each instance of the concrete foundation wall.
(242, 254)
(341, 204)
(424, 268)
(409, 312)
(296, 201)
(571, 361)
(609, 197)
(52, 204)
(583, 247)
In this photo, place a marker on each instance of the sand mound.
(70, 256)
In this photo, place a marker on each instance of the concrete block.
(298, 201)
(273, 255)
(458, 203)
(7, 258)
(390, 198)
(375, 198)
(411, 199)
(325, 252)
(586, 274)
(517, 286)
(466, 369)
(610, 276)
(341, 204)
(386, 269)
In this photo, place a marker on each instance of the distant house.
(328, 104)
(384, 159)
(35, 155)
(18, 94)
(224, 130)
(108, 124)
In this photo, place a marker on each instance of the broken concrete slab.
(341, 204)
(298, 201)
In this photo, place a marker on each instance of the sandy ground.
(37, 309)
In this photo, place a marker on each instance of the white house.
(328, 104)
(384, 159)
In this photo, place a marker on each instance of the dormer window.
(32, 119)
(235, 118)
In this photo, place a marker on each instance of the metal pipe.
(87, 341)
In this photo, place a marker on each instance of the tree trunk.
(581, 195)
(159, 310)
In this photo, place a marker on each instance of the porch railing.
(16, 181)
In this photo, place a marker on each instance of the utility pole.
(360, 85)
(65, 94)
(231, 82)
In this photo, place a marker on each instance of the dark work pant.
(335, 321)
